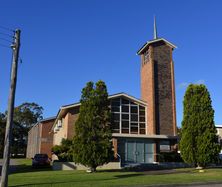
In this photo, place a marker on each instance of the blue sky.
(65, 44)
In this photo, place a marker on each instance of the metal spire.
(154, 29)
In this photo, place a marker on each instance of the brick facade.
(157, 99)
(46, 137)
(147, 91)
(40, 140)
(157, 89)
(66, 131)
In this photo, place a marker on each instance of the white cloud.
(199, 81)
(183, 85)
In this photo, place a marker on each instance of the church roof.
(155, 41)
(63, 109)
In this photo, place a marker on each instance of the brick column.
(114, 140)
(173, 97)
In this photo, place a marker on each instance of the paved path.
(207, 185)
(190, 185)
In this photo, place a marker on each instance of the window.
(125, 108)
(115, 102)
(134, 109)
(165, 145)
(127, 117)
(125, 101)
(115, 117)
(146, 56)
(115, 108)
(134, 117)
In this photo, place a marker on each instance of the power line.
(5, 40)
(5, 28)
(6, 46)
(8, 35)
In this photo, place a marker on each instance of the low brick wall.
(74, 166)
(170, 165)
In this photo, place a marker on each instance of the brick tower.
(157, 85)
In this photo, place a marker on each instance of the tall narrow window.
(115, 115)
(146, 56)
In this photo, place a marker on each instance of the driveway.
(191, 185)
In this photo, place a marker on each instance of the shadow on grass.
(22, 168)
(72, 182)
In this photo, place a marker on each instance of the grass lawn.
(46, 177)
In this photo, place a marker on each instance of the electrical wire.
(5, 28)
(8, 35)
(5, 40)
(6, 46)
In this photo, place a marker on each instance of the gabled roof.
(218, 126)
(122, 94)
(47, 119)
(70, 106)
(154, 41)
(43, 120)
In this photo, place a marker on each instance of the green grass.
(32, 177)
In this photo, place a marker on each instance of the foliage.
(179, 132)
(170, 157)
(2, 133)
(25, 116)
(63, 151)
(199, 142)
(92, 140)
(19, 144)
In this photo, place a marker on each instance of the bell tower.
(157, 85)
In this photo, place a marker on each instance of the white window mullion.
(120, 117)
(146, 129)
(129, 117)
(138, 119)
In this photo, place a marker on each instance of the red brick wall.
(46, 137)
(158, 89)
(71, 123)
(147, 90)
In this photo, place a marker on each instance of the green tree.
(199, 142)
(25, 116)
(92, 140)
(2, 133)
(179, 131)
(28, 114)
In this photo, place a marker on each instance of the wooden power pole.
(8, 131)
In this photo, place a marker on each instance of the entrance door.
(130, 151)
(149, 154)
(136, 151)
(139, 152)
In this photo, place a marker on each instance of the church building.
(141, 128)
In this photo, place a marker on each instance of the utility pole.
(8, 131)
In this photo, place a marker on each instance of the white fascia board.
(128, 96)
(157, 40)
(143, 136)
(109, 97)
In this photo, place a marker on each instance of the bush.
(63, 151)
(170, 157)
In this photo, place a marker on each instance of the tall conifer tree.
(92, 140)
(199, 142)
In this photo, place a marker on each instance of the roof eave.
(153, 41)
(109, 97)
